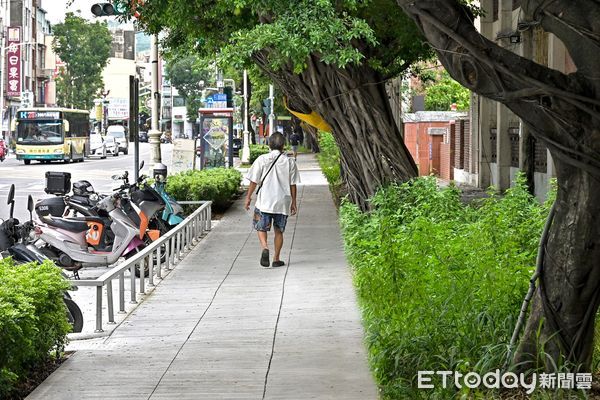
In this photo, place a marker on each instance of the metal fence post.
(142, 269)
(122, 292)
(208, 217)
(109, 302)
(99, 309)
(151, 267)
(132, 283)
(159, 262)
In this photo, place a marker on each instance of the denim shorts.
(262, 221)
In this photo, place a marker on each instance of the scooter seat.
(68, 224)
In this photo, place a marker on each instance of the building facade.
(499, 144)
(29, 62)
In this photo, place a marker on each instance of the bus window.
(39, 132)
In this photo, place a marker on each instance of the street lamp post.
(272, 114)
(154, 134)
(246, 148)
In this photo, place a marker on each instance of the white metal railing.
(174, 243)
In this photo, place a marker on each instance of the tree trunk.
(353, 101)
(563, 111)
(252, 134)
(568, 293)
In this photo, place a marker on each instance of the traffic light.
(108, 9)
(228, 90)
(267, 107)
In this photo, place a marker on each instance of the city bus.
(46, 134)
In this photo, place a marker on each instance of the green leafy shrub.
(440, 283)
(257, 150)
(33, 323)
(217, 184)
(440, 95)
(329, 160)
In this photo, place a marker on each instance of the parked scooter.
(172, 215)
(3, 150)
(86, 241)
(14, 243)
(84, 200)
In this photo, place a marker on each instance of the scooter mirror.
(11, 194)
(11, 199)
(116, 177)
(141, 165)
(30, 204)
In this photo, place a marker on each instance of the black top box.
(58, 183)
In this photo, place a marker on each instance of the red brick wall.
(410, 139)
(447, 153)
(429, 152)
(465, 125)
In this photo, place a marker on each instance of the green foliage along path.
(33, 322)
(218, 185)
(440, 282)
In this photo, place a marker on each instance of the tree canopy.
(185, 73)
(339, 32)
(445, 91)
(84, 47)
(328, 57)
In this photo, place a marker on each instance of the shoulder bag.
(270, 168)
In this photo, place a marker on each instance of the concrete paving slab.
(219, 326)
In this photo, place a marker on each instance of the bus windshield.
(39, 132)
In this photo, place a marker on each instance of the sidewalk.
(222, 327)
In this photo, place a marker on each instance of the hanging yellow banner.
(313, 119)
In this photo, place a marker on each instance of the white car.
(112, 147)
(118, 132)
(97, 146)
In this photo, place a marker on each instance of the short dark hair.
(276, 141)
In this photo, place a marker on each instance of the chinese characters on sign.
(13, 62)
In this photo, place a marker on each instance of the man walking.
(276, 176)
(295, 141)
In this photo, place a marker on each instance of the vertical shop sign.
(13, 62)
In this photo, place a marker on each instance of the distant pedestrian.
(295, 141)
(276, 176)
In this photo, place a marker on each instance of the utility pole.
(271, 115)
(154, 134)
(246, 148)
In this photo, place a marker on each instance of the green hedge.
(217, 184)
(440, 283)
(329, 160)
(33, 323)
(257, 150)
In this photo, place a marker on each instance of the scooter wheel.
(146, 271)
(74, 315)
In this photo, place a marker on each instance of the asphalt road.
(30, 179)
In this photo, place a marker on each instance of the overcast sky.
(58, 8)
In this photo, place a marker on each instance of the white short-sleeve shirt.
(275, 196)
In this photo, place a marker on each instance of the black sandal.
(264, 258)
(277, 264)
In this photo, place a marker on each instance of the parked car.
(97, 146)
(143, 136)
(112, 147)
(118, 132)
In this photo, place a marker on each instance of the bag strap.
(270, 168)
